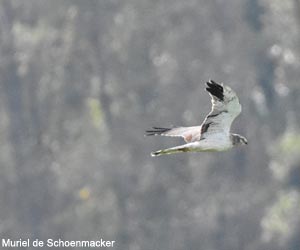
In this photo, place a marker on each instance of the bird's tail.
(174, 150)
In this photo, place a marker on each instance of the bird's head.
(238, 140)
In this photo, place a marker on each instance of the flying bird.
(214, 133)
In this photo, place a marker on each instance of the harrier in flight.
(214, 133)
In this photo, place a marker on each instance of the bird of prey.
(214, 133)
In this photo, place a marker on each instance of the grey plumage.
(214, 133)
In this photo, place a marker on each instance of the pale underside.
(214, 133)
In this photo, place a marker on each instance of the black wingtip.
(157, 153)
(213, 84)
(215, 89)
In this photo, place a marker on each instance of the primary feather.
(214, 133)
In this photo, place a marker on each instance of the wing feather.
(225, 108)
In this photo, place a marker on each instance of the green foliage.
(282, 216)
(149, 59)
(284, 154)
(289, 143)
(95, 110)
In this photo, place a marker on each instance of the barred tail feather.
(157, 131)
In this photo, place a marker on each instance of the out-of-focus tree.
(80, 82)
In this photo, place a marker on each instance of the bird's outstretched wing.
(225, 108)
(189, 134)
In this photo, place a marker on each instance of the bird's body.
(214, 133)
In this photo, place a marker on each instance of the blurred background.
(82, 80)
